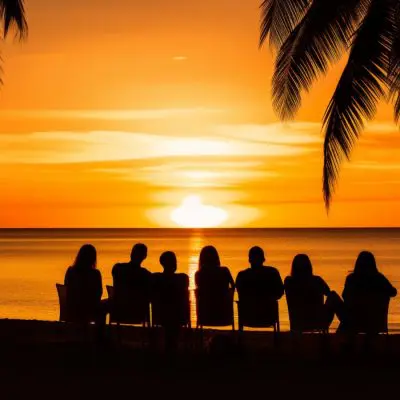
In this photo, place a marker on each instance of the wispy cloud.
(110, 115)
(103, 146)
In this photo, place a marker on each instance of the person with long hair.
(211, 275)
(366, 296)
(367, 280)
(311, 302)
(214, 288)
(84, 286)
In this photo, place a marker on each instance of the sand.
(54, 360)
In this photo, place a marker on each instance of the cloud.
(109, 115)
(106, 146)
(297, 133)
(378, 166)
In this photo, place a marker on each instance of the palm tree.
(12, 15)
(309, 36)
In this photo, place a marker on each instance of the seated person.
(214, 292)
(84, 287)
(258, 280)
(366, 295)
(305, 293)
(211, 276)
(132, 286)
(131, 276)
(259, 288)
(170, 293)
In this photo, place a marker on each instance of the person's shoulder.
(182, 277)
(96, 272)
(270, 269)
(245, 272)
(288, 280)
(145, 271)
(225, 269)
(318, 279)
(350, 277)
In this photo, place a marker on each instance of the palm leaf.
(317, 41)
(13, 13)
(279, 18)
(362, 84)
(394, 71)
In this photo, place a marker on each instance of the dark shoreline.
(47, 360)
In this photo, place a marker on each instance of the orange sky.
(113, 112)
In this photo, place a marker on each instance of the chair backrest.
(62, 301)
(129, 308)
(164, 311)
(214, 309)
(82, 315)
(305, 317)
(368, 314)
(258, 313)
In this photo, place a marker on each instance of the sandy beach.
(50, 360)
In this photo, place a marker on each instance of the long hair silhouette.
(365, 264)
(301, 267)
(86, 257)
(209, 258)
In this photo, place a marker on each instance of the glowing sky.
(113, 112)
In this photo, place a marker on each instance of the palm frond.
(13, 14)
(279, 18)
(394, 69)
(362, 84)
(317, 41)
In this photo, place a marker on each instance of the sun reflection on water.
(195, 245)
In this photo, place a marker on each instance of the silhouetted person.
(170, 293)
(132, 277)
(306, 293)
(211, 276)
(84, 288)
(366, 295)
(213, 283)
(259, 281)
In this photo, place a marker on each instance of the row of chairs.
(220, 313)
(371, 314)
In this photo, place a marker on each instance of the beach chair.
(67, 315)
(161, 311)
(368, 314)
(62, 301)
(128, 309)
(81, 321)
(214, 311)
(306, 317)
(258, 313)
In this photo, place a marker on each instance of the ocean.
(32, 261)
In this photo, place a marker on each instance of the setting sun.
(192, 213)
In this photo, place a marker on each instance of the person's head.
(256, 256)
(139, 253)
(169, 262)
(365, 264)
(209, 258)
(301, 267)
(86, 257)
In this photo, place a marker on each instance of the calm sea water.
(32, 261)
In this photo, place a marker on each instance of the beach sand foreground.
(45, 360)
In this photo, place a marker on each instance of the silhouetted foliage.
(12, 15)
(311, 35)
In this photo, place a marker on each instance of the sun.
(192, 213)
